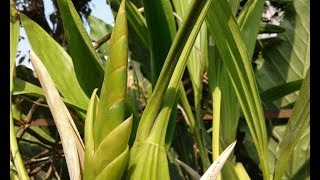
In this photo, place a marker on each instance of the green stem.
(15, 152)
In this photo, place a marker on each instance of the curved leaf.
(106, 132)
(88, 67)
(298, 122)
(151, 139)
(71, 140)
(160, 20)
(55, 59)
(231, 46)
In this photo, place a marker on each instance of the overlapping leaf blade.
(88, 67)
(151, 132)
(55, 59)
(285, 58)
(106, 132)
(160, 20)
(195, 64)
(298, 122)
(233, 51)
(226, 109)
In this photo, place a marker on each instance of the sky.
(99, 9)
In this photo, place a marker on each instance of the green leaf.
(14, 40)
(88, 67)
(108, 159)
(55, 59)
(300, 159)
(286, 58)
(249, 20)
(138, 22)
(234, 54)
(24, 87)
(152, 130)
(298, 122)
(160, 20)
(155, 101)
(277, 92)
(111, 109)
(106, 132)
(195, 64)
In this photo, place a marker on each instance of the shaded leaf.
(88, 67)
(298, 122)
(286, 58)
(231, 45)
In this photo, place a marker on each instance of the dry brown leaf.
(71, 140)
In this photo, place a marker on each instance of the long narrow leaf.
(195, 64)
(55, 59)
(282, 90)
(160, 20)
(88, 67)
(23, 87)
(154, 141)
(230, 44)
(154, 103)
(249, 20)
(298, 122)
(71, 140)
(14, 40)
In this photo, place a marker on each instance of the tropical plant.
(120, 103)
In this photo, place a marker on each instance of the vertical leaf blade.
(160, 20)
(231, 45)
(111, 108)
(298, 122)
(14, 40)
(153, 140)
(87, 64)
(107, 133)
